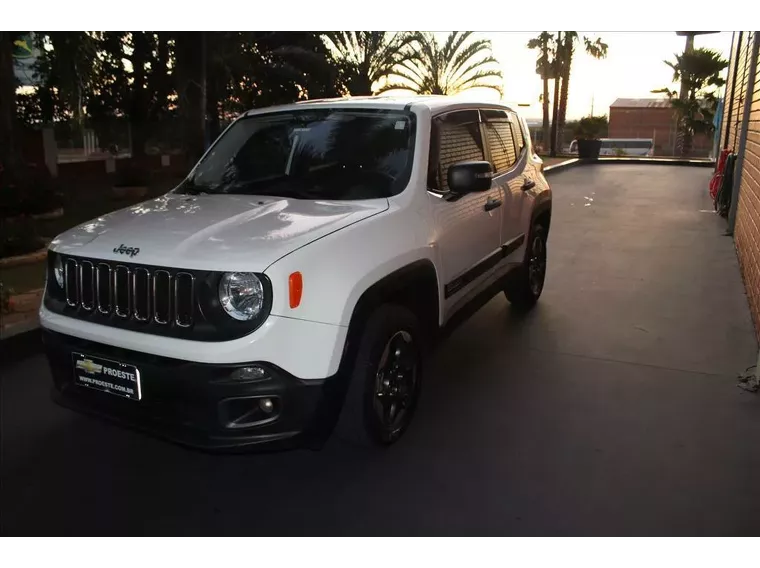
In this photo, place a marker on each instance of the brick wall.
(652, 122)
(747, 229)
(735, 93)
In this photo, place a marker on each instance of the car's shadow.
(87, 476)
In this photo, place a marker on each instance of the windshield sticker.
(400, 124)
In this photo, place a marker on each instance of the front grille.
(158, 300)
(134, 293)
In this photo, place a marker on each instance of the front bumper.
(197, 404)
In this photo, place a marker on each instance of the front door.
(468, 228)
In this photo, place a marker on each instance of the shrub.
(132, 175)
(590, 127)
(28, 190)
(5, 298)
(18, 236)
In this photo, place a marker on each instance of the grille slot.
(162, 297)
(103, 287)
(70, 283)
(121, 295)
(184, 293)
(134, 294)
(87, 285)
(141, 294)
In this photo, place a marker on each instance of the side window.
(456, 138)
(501, 142)
(519, 132)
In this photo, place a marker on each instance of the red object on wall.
(717, 178)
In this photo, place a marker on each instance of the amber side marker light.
(295, 286)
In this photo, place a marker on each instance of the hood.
(212, 232)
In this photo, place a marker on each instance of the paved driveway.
(612, 409)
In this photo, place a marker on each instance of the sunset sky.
(634, 66)
(632, 69)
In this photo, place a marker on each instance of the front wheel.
(385, 381)
(526, 283)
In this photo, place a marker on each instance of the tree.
(139, 99)
(366, 58)
(566, 49)
(683, 94)
(699, 72)
(255, 69)
(545, 68)
(555, 101)
(8, 150)
(151, 79)
(455, 66)
(190, 91)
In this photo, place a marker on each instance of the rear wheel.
(526, 283)
(385, 381)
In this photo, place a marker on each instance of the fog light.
(255, 373)
(266, 405)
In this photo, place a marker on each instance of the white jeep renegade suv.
(289, 286)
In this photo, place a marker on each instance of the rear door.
(507, 153)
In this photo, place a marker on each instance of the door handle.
(529, 184)
(492, 204)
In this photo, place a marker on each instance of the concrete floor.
(611, 409)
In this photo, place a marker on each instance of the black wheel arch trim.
(335, 389)
(542, 206)
(390, 284)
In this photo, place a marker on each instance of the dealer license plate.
(108, 376)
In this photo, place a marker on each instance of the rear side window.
(520, 134)
(456, 138)
(501, 140)
(502, 145)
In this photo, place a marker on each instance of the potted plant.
(588, 134)
(132, 180)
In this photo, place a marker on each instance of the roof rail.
(307, 101)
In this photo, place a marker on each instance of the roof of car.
(433, 102)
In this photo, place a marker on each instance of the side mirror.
(469, 177)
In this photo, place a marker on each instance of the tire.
(525, 284)
(362, 422)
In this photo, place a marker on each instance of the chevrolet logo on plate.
(89, 366)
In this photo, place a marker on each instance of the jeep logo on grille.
(131, 251)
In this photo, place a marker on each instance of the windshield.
(310, 154)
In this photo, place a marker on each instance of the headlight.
(58, 270)
(241, 295)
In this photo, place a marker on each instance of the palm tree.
(455, 66)
(555, 102)
(699, 72)
(689, 47)
(545, 68)
(595, 48)
(683, 95)
(366, 58)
